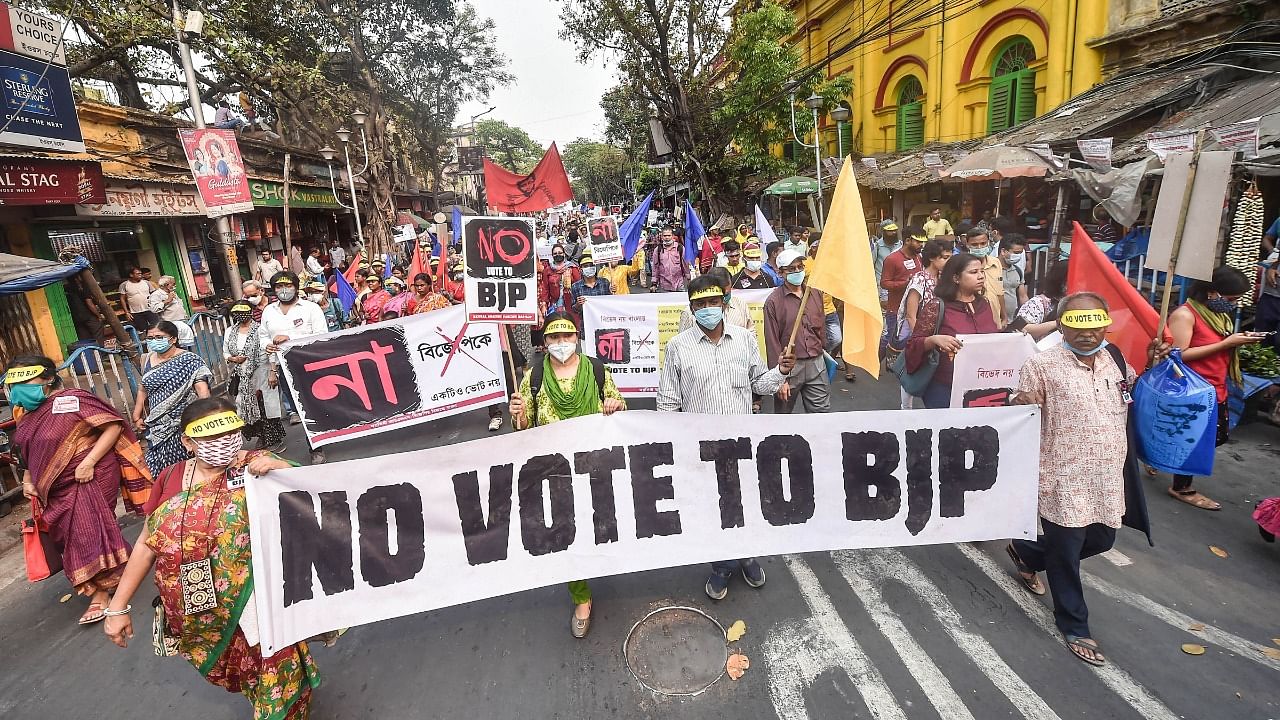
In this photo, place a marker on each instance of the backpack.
(535, 381)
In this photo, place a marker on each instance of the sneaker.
(294, 419)
(317, 457)
(495, 423)
(717, 586)
(753, 573)
(579, 626)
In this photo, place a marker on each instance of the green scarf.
(582, 399)
(1225, 325)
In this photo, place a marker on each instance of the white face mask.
(254, 299)
(753, 265)
(562, 351)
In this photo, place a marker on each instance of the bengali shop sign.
(218, 168)
(630, 333)
(50, 182)
(271, 194)
(39, 107)
(355, 542)
(145, 200)
(375, 378)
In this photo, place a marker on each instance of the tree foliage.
(508, 146)
(599, 170)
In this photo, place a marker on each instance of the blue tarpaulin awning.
(22, 274)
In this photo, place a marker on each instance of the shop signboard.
(218, 169)
(146, 200)
(39, 108)
(32, 34)
(271, 194)
(50, 182)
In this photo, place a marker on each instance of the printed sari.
(212, 521)
(52, 440)
(170, 386)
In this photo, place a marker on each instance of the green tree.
(508, 146)
(600, 171)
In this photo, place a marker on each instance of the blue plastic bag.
(1177, 418)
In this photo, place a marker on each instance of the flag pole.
(1177, 235)
(795, 326)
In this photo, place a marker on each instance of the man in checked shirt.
(713, 368)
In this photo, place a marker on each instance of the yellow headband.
(212, 425)
(706, 292)
(920, 238)
(1085, 319)
(242, 307)
(23, 374)
(559, 325)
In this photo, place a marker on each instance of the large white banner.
(630, 333)
(987, 368)
(350, 543)
(410, 370)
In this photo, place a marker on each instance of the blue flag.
(344, 292)
(457, 225)
(693, 232)
(629, 233)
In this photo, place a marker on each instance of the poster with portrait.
(606, 246)
(218, 169)
(501, 279)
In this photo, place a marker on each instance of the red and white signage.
(50, 182)
(32, 34)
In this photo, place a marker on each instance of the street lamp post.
(841, 115)
(328, 153)
(813, 102)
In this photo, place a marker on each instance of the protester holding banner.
(809, 378)
(736, 310)
(76, 457)
(619, 274)
(198, 542)
(559, 385)
(715, 368)
(1088, 482)
(962, 310)
(171, 379)
(288, 318)
(244, 348)
(1204, 329)
(919, 302)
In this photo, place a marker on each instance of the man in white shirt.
(288, 318)
(337, 256)
(314, 267)
(135, 296)
(268, 266)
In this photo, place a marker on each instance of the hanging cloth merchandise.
(1245, 242)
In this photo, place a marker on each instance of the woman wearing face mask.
(963, 311)
(399, 301)
(76, 457)
(197, 539)
(555, 279)
(560, 385)
(919, 301)
(171, 379)
(1204, 329)
(244, 347)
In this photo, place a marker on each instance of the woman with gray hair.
(165, 302)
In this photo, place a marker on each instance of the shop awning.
(20, 274)
(405, 217)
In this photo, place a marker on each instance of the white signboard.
(33, 35)
(501, 277)
(605, 245)
(147, 200)
(1197, 254)
(1096, 152)
(1164, 143)
(355, 542)
(986, 368)
(1242, 136)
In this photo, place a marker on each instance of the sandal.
(1081, 645)
(1193, 497)
(88, 618)
(1032, 584)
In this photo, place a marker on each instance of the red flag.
(547, 186)
(354, 267)
(1133, 320)
(416, 266)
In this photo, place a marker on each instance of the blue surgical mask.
(979, 252)
(159, 345)
(709, 317)
(1017, 258)
(589, 271)
(1083, 353)
(796, 278)
(27, 396)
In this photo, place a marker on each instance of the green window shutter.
(55, 295)
(162, 242)
(910, 125)
(846, 137)
(1024, 96)
(1001, 102)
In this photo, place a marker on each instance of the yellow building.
(950, 70)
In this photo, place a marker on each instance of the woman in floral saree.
(198, 541)
(76, 457)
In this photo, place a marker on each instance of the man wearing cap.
(884, 245)
(753, 276)
(1089, 483)
(713, 368)
(809, 378)
(937, 225)
(711, 247)
(317, 294)
(898, 269)
(288, 318)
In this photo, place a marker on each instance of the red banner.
(51, 182)
(547, 186)
(218, 168)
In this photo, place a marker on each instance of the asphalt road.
(926, 632)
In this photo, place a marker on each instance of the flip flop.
(1075, 642)
(88, 619)
(1032, 584)
(1195, 499)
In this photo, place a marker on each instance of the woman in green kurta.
(575, 392)
(198, 541)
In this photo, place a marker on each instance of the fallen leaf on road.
(1219, 551)
(1193, 649)
(1196, 627)
(736, 631)
(1276, 640)
(1272, 653)
(64, 598)
(737, 665)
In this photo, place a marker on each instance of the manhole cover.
(676, 651)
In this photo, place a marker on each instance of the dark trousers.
(726, 567)
(1058, 552)
(143, 321)
(1268, 318)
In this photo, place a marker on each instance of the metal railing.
(1149, 283)
(210, 329)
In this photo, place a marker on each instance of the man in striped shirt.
(713, 368)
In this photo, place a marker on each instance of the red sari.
(81, 516)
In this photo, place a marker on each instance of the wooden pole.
(100, 298)
(1177, 235)
(288, 240)
(1055, 234)
(795, 326)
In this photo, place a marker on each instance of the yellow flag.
(843, 269)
